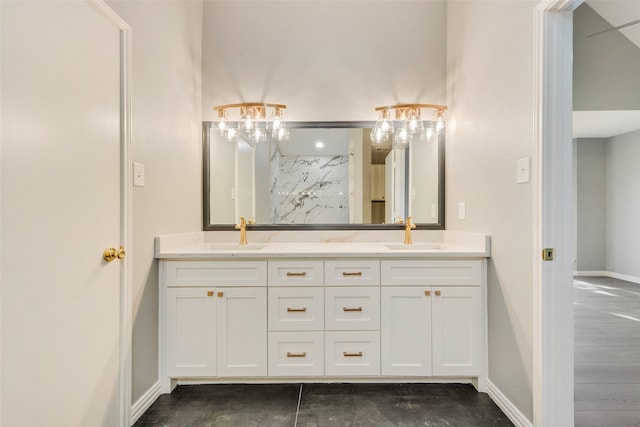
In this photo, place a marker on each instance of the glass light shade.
(259, 135)
(378, 136)
(282, 134)
(275, 121)
(413, 122)
(402, 137)
(429, 133)
(384, 123)
(246, 120)
(221, 124)
(230, 134)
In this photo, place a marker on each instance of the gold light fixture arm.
(403, 110)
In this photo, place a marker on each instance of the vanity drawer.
(352, 353)
(216, 273)
(352, 308)
(296, 309)
(296, 273)
(296, 353)
(432, 272)
(352, 272)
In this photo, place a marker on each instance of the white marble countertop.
(323, 244)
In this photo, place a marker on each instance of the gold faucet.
(407, 231)
(243, 230)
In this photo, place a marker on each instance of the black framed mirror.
(327, 176)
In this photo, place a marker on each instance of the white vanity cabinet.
(323, 318)
(432, 317)
(215, 318)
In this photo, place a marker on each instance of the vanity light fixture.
(252, 121)
(410, 115)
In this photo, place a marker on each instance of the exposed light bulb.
(429, 133)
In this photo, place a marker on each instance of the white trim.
(145, 402)
(625, 277)
(590, 273)
(553, 403)
(509, 409)
(613, 275)
(126, 276)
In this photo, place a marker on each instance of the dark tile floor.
(433, 405)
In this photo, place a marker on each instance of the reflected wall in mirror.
(326, 176)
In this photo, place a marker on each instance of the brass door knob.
(109, 254)
(121, 252)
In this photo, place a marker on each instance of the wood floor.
(607, 352)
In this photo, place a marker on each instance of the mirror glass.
(326, 176)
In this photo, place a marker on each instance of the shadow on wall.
(513, 368)
(144, 352)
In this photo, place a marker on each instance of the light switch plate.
(523, 173)
(138, 174)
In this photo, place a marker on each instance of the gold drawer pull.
(290, 274)
(437, 293)
(296, 310)
(303, 354)
(220, 294)
(427, 293)
(351, 308)
(358, 354)
(209, 293)
(346, 273)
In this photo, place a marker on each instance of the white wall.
(334, 60)
(490, 126)
(590, 204)
(623, 204)
(166, 137)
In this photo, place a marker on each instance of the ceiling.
(605, 124)
(620, 12)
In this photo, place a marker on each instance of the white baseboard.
(625, 277)
(145, 401)
(509, 409)
(611, 274)
(594, 273)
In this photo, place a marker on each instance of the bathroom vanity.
(322, 306)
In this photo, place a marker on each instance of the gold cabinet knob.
(220, 294)
(437, 293)
(121, 252)
(109, 254)
(427, 293)
(209, 293)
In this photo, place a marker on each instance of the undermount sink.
(236, 247)
(414, 247)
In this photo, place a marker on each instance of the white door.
(242, 332)
(406, 331)
(61, 183)
(191, 332)
(457, 331)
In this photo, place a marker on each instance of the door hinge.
(547, 254)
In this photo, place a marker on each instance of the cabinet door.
(242, 331)
(406, 331)
(190, 332)
(457, 331)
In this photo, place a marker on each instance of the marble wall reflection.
(309, 189)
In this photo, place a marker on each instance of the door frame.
(553, 400)
(126, 273)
